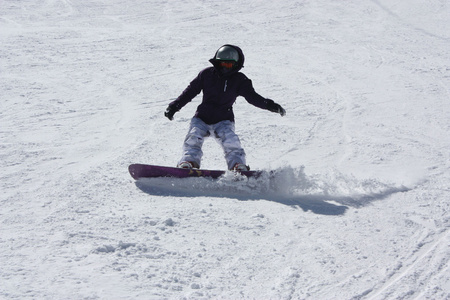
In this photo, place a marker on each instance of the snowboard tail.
(150, 171)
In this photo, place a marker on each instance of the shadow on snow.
(319, 201)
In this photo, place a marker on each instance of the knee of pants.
(230, 141)
(193, 141)
(195, 138)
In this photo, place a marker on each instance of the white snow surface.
(357, 207)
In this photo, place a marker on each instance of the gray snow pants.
(225, 136)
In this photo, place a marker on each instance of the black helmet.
(228, 60)
(227, 53)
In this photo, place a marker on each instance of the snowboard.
(150, 171)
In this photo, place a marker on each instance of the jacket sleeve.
(192, 90)
(247, 91)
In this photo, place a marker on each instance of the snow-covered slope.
(359, 208)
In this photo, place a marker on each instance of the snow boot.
(240, 167)
(188, 165)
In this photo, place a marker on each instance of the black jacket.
(219, 93)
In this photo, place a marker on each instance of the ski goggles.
(229, 64)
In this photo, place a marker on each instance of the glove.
(170, 111)
(276, 108)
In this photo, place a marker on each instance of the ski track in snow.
(356, 206)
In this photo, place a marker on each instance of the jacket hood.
(240, 63)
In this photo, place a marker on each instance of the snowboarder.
(221, 85)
